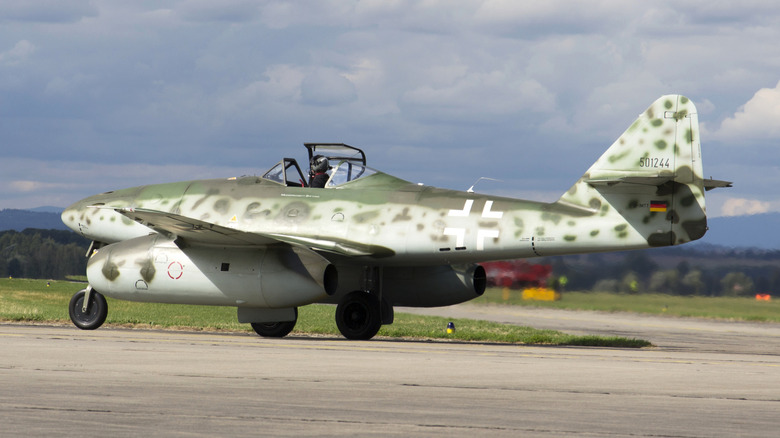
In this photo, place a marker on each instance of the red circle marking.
(175, 270)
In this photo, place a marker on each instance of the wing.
(200, 232)
(342, 247)
(193, 230)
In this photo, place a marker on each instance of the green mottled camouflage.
(267, 246)
(380, 219)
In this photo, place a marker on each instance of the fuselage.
(382, 219)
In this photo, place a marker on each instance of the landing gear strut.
(89, 314)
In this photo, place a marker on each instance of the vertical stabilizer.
(651, 176)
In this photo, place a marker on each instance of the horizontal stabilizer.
(650, 180)
(710, 184)
(657, 179)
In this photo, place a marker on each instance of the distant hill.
(754, 231)
(19, 220)
(47, 209)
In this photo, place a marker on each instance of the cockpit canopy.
(288, 173)
(347, 163)
(347, 171)
(336, 152)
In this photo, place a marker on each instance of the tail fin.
(651, 177)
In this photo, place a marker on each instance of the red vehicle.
(517, 274)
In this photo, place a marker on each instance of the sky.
(100, 95)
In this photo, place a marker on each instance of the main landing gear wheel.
(358, 315)
(275, 329)
(96, 310)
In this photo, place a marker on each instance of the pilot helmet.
(319, 164)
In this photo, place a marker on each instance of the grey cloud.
(326, 87)
(488, 88)
(19, 53)
(230, 11)
(47, 11)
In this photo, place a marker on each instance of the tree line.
(705, 270)
(43, 254)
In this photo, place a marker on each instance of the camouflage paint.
(380, 220)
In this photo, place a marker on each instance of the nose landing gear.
(88, 309)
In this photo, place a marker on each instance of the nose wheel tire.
(358, 316)
(275, 329)
(96, 310)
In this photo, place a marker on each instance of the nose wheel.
(88, 309)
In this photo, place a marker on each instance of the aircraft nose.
(74, 216)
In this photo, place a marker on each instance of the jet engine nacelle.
(433, 286)
(154, 269)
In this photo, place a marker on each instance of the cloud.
(756, 120)
(539, 19)
(30, 186)
(20, 52)
(62, 183)
(207, 11)
(742, 207)
(489, 88)
(327, 87)
(47, 11)
(279, 86)
(478, 96)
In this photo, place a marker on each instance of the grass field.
(42, 301)
(730, 308)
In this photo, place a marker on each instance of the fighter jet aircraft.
(368, 241)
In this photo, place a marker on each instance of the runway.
(117, 382)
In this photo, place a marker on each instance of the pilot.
(319, 167)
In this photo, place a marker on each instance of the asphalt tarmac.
(703, 379)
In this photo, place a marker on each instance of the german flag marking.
(659, 206)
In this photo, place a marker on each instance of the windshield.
(286, 172)
(276, 174)
(348, 171)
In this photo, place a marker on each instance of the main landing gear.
(275, 329)
(88, 309)
(358, 315)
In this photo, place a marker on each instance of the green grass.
(730, 308)
(42, 301)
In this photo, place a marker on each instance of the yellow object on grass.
(541, 294)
